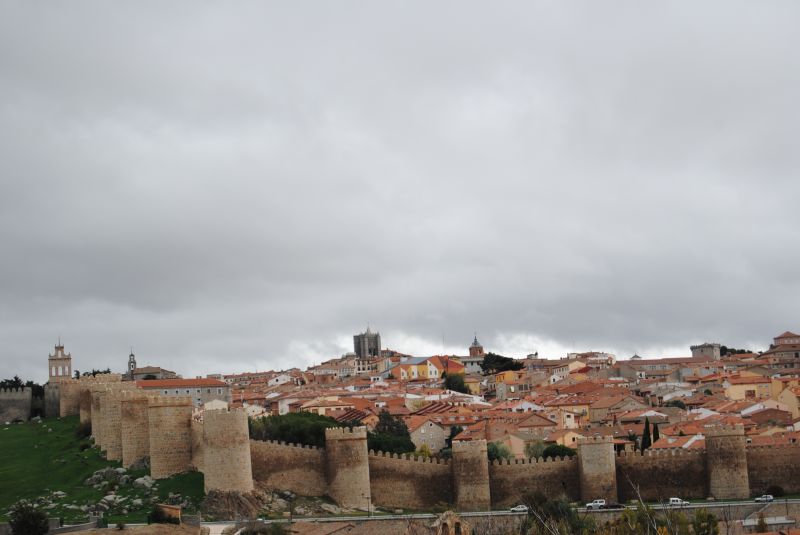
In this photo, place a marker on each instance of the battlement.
(540, 460)
(407, 457)
(723, 431)
(770, 447)
(344, 433)
(101, 378)
(167, 401)
(665, 452)
(469, 446)
(290, 445)
(596, 439)
(15, 393)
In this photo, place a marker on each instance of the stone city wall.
(511, 481)
(278, 465)
(226, 441)
(726, 462)
(773, 465)
(15, 404)
(347, 465)
(170, 432)
(409, 482)
(198, 448)
(51, 400)
(69, 398)
(135, 427)
(662, 474)
(470, 473)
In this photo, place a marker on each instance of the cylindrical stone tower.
(113, 425)
(726, 460)
(598, 468)
(226, 439)
(347, 466)
(85, 404)
(470, 472)
(99, 417)
(169, 425)
(135, 428)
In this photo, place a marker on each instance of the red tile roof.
(180, 383)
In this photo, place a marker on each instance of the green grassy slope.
(35, 461)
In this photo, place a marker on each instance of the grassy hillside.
(37, 459)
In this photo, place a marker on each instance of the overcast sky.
(238, 186)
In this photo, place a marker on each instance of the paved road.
(217, 527)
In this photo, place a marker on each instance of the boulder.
(330, 508)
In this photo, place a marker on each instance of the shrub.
(25, 519)
(158, 516)
(296, 428)
(84, 430)
(498, 451)
(557, 450)
(120, 525)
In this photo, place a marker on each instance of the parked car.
(677, 502)
(596, 504)
(765, 498)
(519, 509)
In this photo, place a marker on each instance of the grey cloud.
(232, 187)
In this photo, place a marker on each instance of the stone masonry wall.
(198, 447)
(773, 465)
(300, 469)
(408, 482)
(726, 461)
(226, 439)
(51, 401)
(470, 473)
(598, 472)
(113, 425)
(170, 436)
(102, 410)
(15, 404)
(69, 398)
(85, 405)
(661, 474)
(510, 481)
(135, 428)
(347, 466)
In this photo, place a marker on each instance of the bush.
(120, 525)
(557, 450)
(498, 451)
(158, 516)
(84, 446)
(25, 519)
(83, 430)
(295, 428)
(775, 490)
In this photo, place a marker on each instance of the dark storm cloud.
(231, 187)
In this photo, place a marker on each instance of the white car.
(519, 509)
(677, 502)
(765, 498)
(596, 504)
